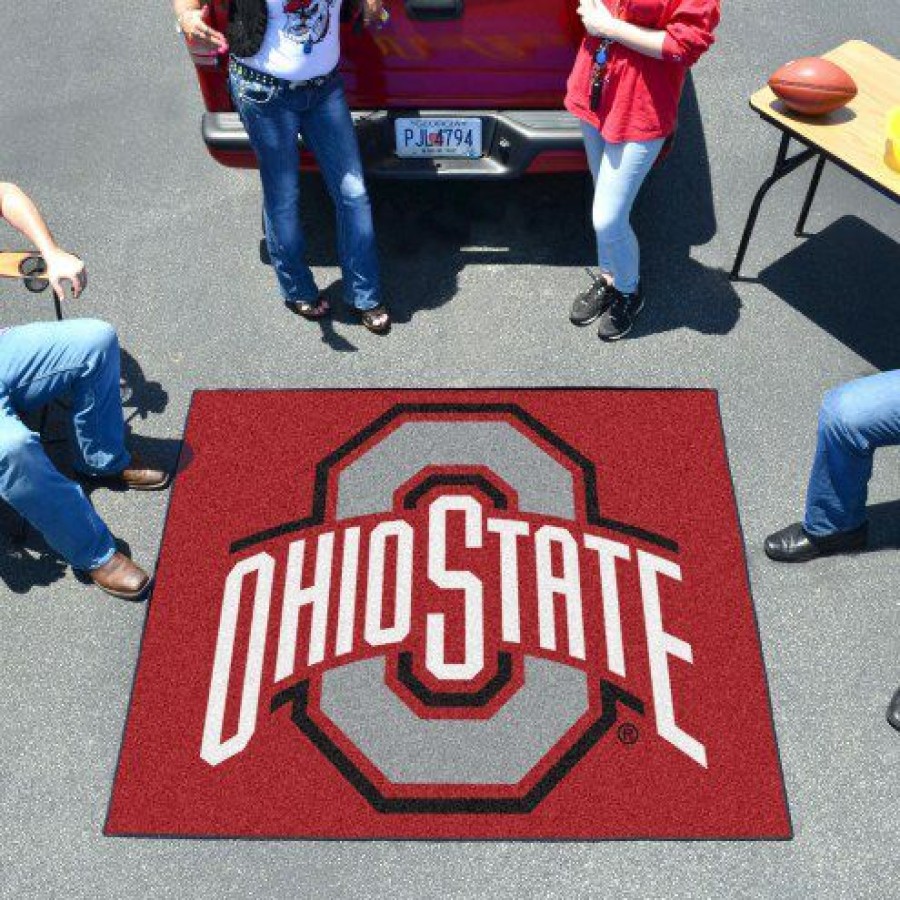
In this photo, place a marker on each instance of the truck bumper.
(514, 142)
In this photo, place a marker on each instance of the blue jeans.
(273, 117)
(38, 363)
(618, 171)
(855, 420)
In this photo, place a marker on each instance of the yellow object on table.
(892, 139)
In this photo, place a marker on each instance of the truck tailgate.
(488, 74)
(464, 54)
(461, 54)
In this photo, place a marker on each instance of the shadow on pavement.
(846, 279)
(336, 341)
(138, 393)
(674, 213)
(27, 565)
(428, 231)
(884, 525)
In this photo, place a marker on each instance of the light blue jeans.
(618, 171)
(273, 116)
(38, 363)
(855, 420)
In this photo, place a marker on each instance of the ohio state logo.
(445, 626)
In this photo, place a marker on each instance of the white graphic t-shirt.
(302, 39)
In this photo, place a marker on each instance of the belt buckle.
(318, 81)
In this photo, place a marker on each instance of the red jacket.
(640, 97)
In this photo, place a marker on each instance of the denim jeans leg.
(52, 504)
(43, 360)
(855, 420)
(35, 366)
(328, 130)
(618, 170)
(272, 124)
(97, 421)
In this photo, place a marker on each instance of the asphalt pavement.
(99, 122)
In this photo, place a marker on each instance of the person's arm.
(189, 14)
(17, 208)
(600, 22)
(687, 36)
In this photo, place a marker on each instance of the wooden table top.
(854, 135)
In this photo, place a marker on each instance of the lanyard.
(601, 57)
(601, 54)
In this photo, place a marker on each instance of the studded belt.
(273, 81)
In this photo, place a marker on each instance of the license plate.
(438, 137)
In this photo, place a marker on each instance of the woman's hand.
(65, 268)
(193, 24)
(598, 20)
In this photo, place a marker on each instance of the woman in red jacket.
(625, 87)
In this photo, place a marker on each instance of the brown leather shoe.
(137, 476)
(141, 477)
(121, 577)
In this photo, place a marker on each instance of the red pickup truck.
(447, 89)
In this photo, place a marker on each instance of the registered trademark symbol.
(628, 734)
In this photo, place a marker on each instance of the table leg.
(784, 165)
(810, 195)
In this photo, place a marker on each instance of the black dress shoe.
(793, 544)
(893, 711)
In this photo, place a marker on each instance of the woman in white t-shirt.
(284, 82)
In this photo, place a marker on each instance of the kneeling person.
(855, 420)
(38, 363)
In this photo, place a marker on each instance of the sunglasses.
(30, 267)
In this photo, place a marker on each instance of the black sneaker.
(588, 306)
(618, 319)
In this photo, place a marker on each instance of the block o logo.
(498, 743)
(468, 528)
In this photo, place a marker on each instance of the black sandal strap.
(309, 310)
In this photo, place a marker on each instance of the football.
(813, 86)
